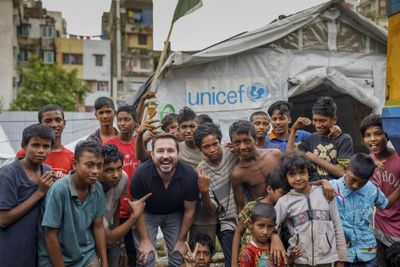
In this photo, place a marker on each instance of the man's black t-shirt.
(337, 151)
(183, 186)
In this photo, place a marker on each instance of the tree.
(43, 84)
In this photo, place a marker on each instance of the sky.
(217, 20)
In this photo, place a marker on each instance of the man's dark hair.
(370, 121)
(186, 114)
(111, 153)
(392, 255)
(276, 180)
(87, 146)
(242, 127)
(205, 130)
(164, 136)
(362, 165)
(283, 107)
(204, 118)
(47, 108)
(295, 161)
(128, 109)
(325, 106)
(103, 101)
(204, 240)
(168, 120)
(262, 210)
(258, 113)
(37, 130)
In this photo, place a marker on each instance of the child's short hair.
(283, 107)
(87, 146)
(325, 106)
(258, 113)
(294, 161)
(128, 109)
(202, 239)
(204, 130)
(370, 121)
(276, 180)
(37, 130)
(242, 127)
(186, 114)
(111, 153)
(47, 108)
(104, 101)
(362, 165)
(168, 120)
(392, 257)
(262, 210)
(204, 118)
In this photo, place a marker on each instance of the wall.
(69, 46)
(79, 124)
(6, 48)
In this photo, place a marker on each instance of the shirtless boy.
(248, 177)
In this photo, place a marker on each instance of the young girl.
(313, 222)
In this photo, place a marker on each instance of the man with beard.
(248, 177)
(260, 121)
(171, 207)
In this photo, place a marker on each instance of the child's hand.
(190, 256)
(137, 206)
(45, 182)
(277, 251)
(146, 125)
(300, 123)
(203, 181)
(295, 252)
(334, 132)
(329, 191)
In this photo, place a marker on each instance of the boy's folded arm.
(332, 169)
(8, 217)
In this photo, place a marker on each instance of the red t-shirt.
(388, 179)
(130, 164)
(59, 161)
(255, 256)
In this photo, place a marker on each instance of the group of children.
(272, 197)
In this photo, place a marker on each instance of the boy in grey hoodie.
(313, 222)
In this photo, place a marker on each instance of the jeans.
(170, 225)
(370, 263)
(113, 253)
(226, 239)
(129, 246)
(381, 253)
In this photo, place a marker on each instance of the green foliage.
(44, 84)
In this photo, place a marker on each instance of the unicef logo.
(257, 92)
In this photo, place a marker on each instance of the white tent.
(7, 153)
(325, 50)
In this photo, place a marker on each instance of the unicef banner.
(223, 95)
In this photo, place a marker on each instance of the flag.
(185, 7)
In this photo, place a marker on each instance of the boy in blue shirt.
(23, 184)
(73, 212)
(356, 199)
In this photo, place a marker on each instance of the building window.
(74, 59)
(142, 39)
(48, 57)
(144, 64)
(47, 31)
(102, 86)
(98, 60)
(22, 56)
(23, 30)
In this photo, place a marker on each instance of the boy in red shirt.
(60, 158)
(126, 143)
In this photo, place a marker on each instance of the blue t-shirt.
(356, 209)
(18, 241)
(275, 142)
(62, 209)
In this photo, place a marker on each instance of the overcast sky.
(214, 22)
